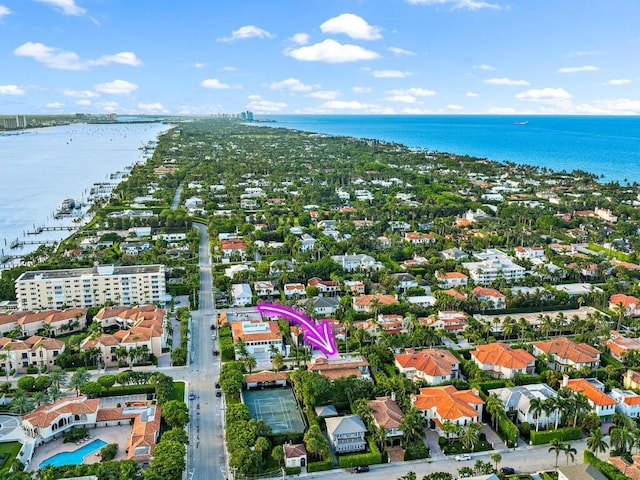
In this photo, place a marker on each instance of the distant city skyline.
(320, 56)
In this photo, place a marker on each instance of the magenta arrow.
(317, 334)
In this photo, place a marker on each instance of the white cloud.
(584, 68)
(390, 74)
(355, 106)
(4, 11)
(415, 111)
(54, 57)
(456, 108)
(352, 26)
(257, 104)
(56, 105)
(83, 103)
(293, 85)
(620, 106)
(483, 66)
(117, 87)
(108, 106)
(330, 51)
(68, 7)
(417, 92)
(200, 109)
(11, 90)
(618, 81)
(79, 93)
(199, 65)
(472, 94)
(246, 32)
(325, 94)
(362, 89)
(506, 82)
(544, 94)
(400, 51)
(156, 107)
(218, 85)
(228, 68)
(123, 58)
(470, 4)
(300, 38)
(401, 98)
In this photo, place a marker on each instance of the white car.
(462, 457)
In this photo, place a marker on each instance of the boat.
(521, 123)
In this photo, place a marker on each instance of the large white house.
(493, 265)
(346, 434)
(258, 337)
(86, 287)
(355, 262)
(518, 399)
(241, 294)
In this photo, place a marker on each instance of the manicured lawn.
(8, 451)
(178, 391)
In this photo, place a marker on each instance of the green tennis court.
(277, 407)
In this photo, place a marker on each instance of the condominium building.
(86, 287)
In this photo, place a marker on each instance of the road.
(206, 457)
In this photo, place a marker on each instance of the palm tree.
(581, 405)
(21, 403)
(495, 408)
(569, 451)
(277, 361)
(250, 362)
(413, 425)
(621, 438)
(496, 458)
(40, 398)
(596, 442)
(470, 436)
(78, 379)
(58, 377)
(556, 446)
(6, 359)
(536, 407)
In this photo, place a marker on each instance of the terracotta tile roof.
(627, 301)
(564, 348)
(367, 300)
(619, 345)
(433, 362)
(66, 315)
(233, 244)
(13, 317)
(619, 263)
(34, 317)
(47, 414)
(386, 412)
(295, 451)
(630, 470)
(338, 367)
(501, 354)
(452, 292)
(112, 414)
(449, 403)
(47, 343)
(590, 391)
(451, 275)
(487, 292)
(265, 376)
(144, 434)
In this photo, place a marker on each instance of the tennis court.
(277, 407)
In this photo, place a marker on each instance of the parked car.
(216, 353)
(361, 469)
(218, 393)
(192, 396)
(507, 471)
(462, 457)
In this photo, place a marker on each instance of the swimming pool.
(75, 457)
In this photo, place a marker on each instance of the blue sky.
(320, 56)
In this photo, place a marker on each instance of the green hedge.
(415, 451)
(373, 457)
(524, 379)
(607, 359)
(608, 470)
(491, 384)
(320, 466)
(562, 434)
(128, 390)
(508, 431)
(292, 470)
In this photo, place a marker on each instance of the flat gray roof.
(102, 270)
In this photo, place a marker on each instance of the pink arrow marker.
(317, 334)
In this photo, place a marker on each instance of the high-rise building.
(86, 287)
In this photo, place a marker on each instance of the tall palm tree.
(596, 442)
(496, 458)
(621, 438)
(58, 377)
(536, 407)
(495, 408)
(569, 451)
(250, 362)
(470, 436)
(78, 379)
(556, 446)
(581, 405)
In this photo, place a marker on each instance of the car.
(218, 393)
(192, 396)
(216, 353)
(361, 469)
(217, 384)
(462, 457)
(507, 471)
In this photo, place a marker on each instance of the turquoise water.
(75, 457)
(608, 146)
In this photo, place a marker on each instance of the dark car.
(507, 471)
(216, 353)
(218, 393)
(361, 469)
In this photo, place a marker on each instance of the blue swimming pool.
(75, 457)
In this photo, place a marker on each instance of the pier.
(17, 243)
(39, 230)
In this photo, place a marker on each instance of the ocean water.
(608, 146)
(41, 167)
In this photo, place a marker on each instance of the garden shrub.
(320, 466)
(562, 434)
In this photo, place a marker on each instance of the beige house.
(49, 421)
(57, 322)
(34, 351)
(566, 354)
(433, 365)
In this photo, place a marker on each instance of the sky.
(200, 57)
